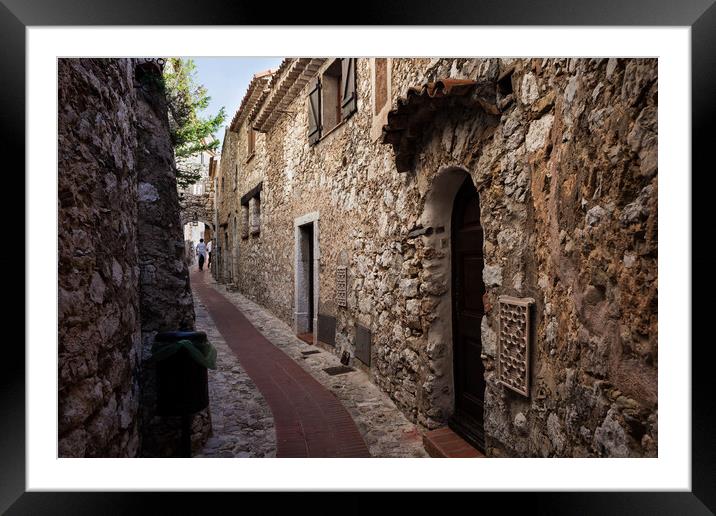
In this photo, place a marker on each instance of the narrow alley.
(275, 397)
(377, 257)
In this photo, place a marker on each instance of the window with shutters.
(331, 98)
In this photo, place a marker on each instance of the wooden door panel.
(472, 280)
(468, 310)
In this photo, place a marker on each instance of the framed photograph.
(421, 233)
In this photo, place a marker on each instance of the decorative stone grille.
(513, 344)
(341, 285)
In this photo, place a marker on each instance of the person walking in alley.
(201, 253)
(208, 250)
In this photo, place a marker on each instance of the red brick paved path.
(310, 421)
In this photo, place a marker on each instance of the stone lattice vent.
(513, 343)
(341, 285)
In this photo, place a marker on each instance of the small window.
(251, 211)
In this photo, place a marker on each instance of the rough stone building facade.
(480, 235)
(122, 276)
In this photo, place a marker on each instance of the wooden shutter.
(349, 103)
(314, 111)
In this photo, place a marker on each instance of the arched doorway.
(468, 289)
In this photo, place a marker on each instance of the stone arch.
(436, 219)
(207, 225)
(189, 216)
(197, 208)
(454, 142)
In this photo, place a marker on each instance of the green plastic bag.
(203, 353)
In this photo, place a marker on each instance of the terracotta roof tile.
(255, 93)
(287, 82)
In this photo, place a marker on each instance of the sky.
(226, 79)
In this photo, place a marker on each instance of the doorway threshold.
(306, 337)
(445, 443)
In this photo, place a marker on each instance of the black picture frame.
(700, 15)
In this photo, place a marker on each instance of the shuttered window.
(349, 103)
(331, 98)
(314, 111)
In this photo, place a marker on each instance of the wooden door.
(467, 291)
(311, 300)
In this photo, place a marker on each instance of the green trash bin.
(182, 359)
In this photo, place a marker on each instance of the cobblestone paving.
(386, 431)
(242, 424)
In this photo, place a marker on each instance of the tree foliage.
(190, 133)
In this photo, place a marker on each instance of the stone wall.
(166, 300)
(165, 294)
(98, 273)
(121, 270)
(199, 208)
(566, 173)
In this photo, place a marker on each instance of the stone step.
(445, 443)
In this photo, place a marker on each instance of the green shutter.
(349, 103)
